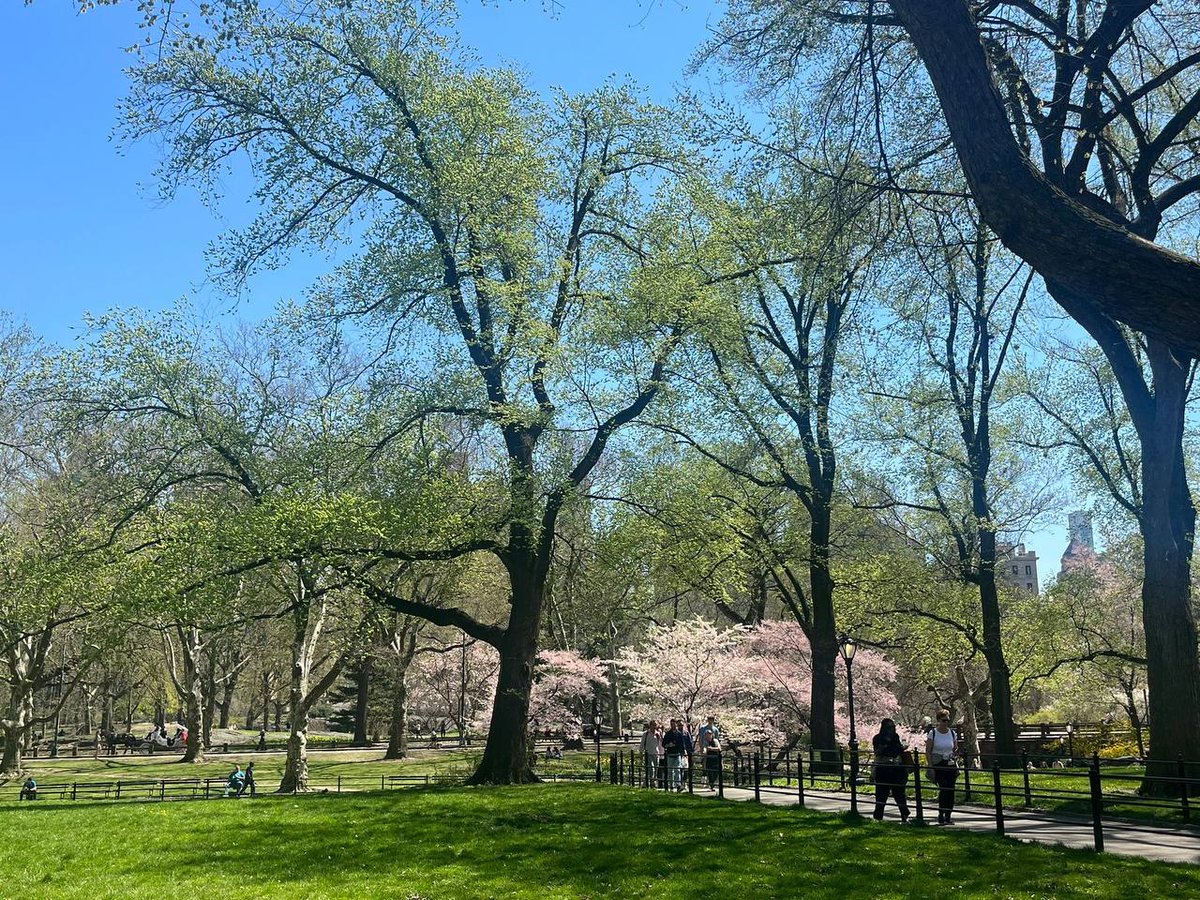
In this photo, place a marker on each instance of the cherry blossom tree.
(781, 661)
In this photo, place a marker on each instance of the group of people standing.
(892, 763)
(668, 753)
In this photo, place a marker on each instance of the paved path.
(1161, 842)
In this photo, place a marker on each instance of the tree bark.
(1121, 274)
(397, 747)
(505, 756)
(362, 701)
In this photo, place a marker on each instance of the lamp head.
(848, 647)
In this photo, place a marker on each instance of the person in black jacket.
(891, 774)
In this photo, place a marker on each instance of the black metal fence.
(1089, 793)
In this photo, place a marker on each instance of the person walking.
(673, 748)
(689, 748)
(941, 748)
(248, 783)
(891, 773)
(652, 748)
(708, 739)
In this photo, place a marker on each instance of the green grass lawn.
(546, 841)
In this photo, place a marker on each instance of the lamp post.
(596, 720)
(848, 648)
(1071, 742)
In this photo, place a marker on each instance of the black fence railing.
(1089, 793)
(218, 788)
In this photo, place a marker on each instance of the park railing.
(1081, 794)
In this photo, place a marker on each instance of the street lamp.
(596, 720)
(1071, 741)
(847, 649)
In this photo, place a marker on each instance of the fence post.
(800, 778)
(842, 767)
(612, 768)
(339, 789)
(917, 786)
(691, 773)
(1025, 776)
(1184, 802)
(162, 789)
(74, 788)
(757, 774)
(382, 783)
(118, 789)
(721, 777)
(1097, 803)
(998, 796)
(967, 777)
(205, 789)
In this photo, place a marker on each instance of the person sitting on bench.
(29, 789)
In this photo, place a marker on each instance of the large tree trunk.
(823, 637)
(1172, 668)
(970, 726)
(295, 769)
(226, 705)
(993, 645)
(397, 747)
(17, 726)
(193, 693)
(362, 701)
(505, 756)
(1120, 274)
(614, 697)
(1167, 521)
(11, 764)
(209, 688)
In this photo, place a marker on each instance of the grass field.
(546, 841)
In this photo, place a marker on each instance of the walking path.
(1147, 840)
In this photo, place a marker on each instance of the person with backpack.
(941, 749)
(890, 771)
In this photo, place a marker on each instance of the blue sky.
(83, 230)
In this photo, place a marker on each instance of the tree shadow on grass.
(579, 841)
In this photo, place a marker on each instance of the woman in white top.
(941, 748)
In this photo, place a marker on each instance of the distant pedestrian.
(248, 783)
(709, 744)
(891, 773)
(673, 748)
(941, 748)
(689, 749)
(652, 749)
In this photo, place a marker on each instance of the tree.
(777, 360)
(1072, 127)
(969, 468)
(515, 237)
